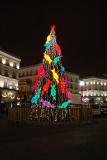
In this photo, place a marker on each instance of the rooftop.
(9, 53)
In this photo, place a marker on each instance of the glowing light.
(56, 59)
(68, 94)
(53, 91)
(47, 57)
(11, 64)
(17, 66)
(66, 80)
(87, 94)
(48, 38)
(101, 83)
(18, 98)
(97, 82)
(87, 82)
(62, 68)
(55, 75)
(50, 87)
(62, 86)
(91, 94)
(94, 94)
(17, 88)
(47, 103)
(4, 94)
(36, 96)
(82, 83)
(65, 104)
(41, 71)
(46, 87)
(4, 61)
(85, 100)
(58, 49)
(105, 83)
(18, 103)
(10, 87)
(83, 94)
(1, 84)
(48, 45)
(53, 27)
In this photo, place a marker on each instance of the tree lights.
(51, 83)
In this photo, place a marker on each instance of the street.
(29, 142)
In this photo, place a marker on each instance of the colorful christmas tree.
(51, 82)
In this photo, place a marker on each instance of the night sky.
(81, 32)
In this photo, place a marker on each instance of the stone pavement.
(25, 142)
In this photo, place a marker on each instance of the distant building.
(94, 90)
(73, 87)
(27, 78)
(26, 81)
(9, 65)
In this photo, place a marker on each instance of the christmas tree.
(51, 82)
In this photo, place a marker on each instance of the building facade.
(9, 66)
(94, 90)
(73, 87)
(27, 79)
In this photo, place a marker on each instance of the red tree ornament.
(62, 86)
(53, 27)
(58, 49)
(46, 87)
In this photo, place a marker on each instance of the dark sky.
(81, 32)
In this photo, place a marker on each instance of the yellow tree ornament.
(48, 38)
(55, 75)
(47, 57)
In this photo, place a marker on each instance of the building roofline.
(7, 53)
(98, 77)
(72, 73)
(29, 66)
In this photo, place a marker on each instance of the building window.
(6, 73)
(14, 75)
(31, 73)
(7, 62)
